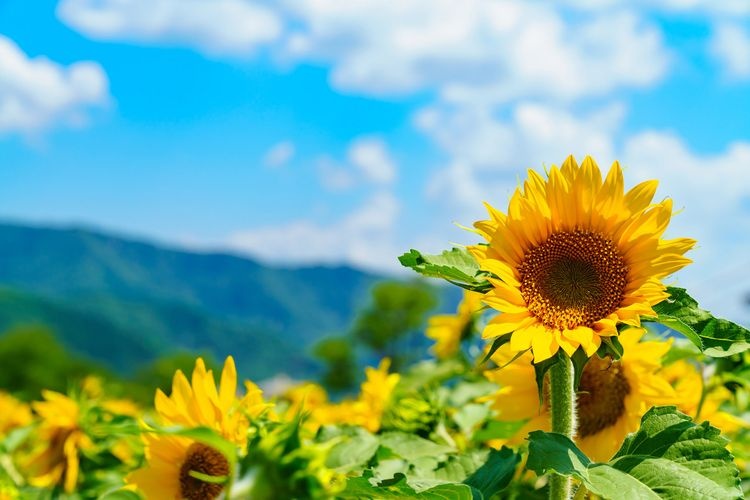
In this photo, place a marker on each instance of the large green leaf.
(669, 457)
(715, 337)
(412, 447)
(362, 487)
(353, 453)
(496, 473)
(455, 265)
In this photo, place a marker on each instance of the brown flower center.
(573, 279)
(206, 460)
(601, 395)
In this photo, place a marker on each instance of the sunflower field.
(571, 369)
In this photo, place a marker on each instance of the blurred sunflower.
(175, 463)
(13, 413)
(449, 329)
(688, 383)
(54, 460)
(574, 257)
(368, 409)
(612, 396)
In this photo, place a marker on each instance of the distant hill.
(125, 302)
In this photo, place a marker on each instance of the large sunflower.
(173, 461)
(574, 257)
(612, 396)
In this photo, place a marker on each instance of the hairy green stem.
(563, 409)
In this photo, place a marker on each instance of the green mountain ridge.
(126, 302)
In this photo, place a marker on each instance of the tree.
(337, 353)
(397, 311)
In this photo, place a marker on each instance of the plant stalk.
(563, 409)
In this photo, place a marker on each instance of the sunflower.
(688, 383)
(172, 464)
(173, 461)
(55, 461)
(368, 409)
(574, 257)
(612, 396)
(448, 329)
(13, 413)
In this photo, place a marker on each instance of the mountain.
(126, 302)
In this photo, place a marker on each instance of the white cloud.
(370, 155)
(488, 154)
(506, 49)
(730, 44)
(234, 27)
(36, 93)
(710, 7)
(487, 151)
(364, 238)
(279, 154)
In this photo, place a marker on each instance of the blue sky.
(309, 131)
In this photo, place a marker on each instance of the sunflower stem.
(563, 409)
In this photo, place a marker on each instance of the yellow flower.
(448, 329)
(171, 459)
(612, 397)
(688, 383)
(55, 460)
(199, 402)
(375, 395)
(13, 413)
(367, 410)
(574, 257)
(305, 397)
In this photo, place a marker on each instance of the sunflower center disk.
(206, 460)
(601, 396)
(573, 279)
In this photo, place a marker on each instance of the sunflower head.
(574, 257)
(55, 460)
(199, 402)
(612, 396)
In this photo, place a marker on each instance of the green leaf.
(361, 487)
(456, 266)
(120, 495)
(469, 416)
(669, 457)
(715, 337)
(206, 436)
(498, 429)
(540, 370)
(579, 359)
(496, 344)
(610, 346)
(353, 453)
(412, 447)
(496, 473)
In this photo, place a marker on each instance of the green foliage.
(159, 373)
(669, 457)
(337, 355)
(398, 487)
(32, 360)
(715, 337)
(496, 473)
(456, 266)
(397, 310)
